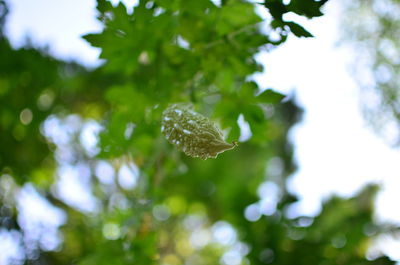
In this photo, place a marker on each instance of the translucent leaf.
(193, 133)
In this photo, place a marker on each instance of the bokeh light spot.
(161, 212)
(252, 212)
(111, 231)
(224, 233)
(128, 176)
(26, 116)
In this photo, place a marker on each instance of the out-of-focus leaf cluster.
(376, 64)
(201, 54)
(307, 8)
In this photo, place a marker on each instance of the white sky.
(335, 150)
(58, 24)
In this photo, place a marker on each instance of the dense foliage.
(87, 177)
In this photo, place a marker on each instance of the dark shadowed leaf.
(298, 30)
(270, 96)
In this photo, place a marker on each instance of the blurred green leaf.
(308, 8)
(276, 8)
(270, 96)
(298, 30)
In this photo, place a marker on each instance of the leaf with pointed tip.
(276, 9)
(298, 30)
(308, 8)
(270, 96)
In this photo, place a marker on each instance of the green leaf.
(94, 39)
(234, 133)
(235, 16)
(103, 6)
(308, 8)
(298, 30)
(270, 96)
(254, 114)
(276, 9)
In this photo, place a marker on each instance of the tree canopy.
(87, 177)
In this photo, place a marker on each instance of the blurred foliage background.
(372, 27)
(88, 178)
